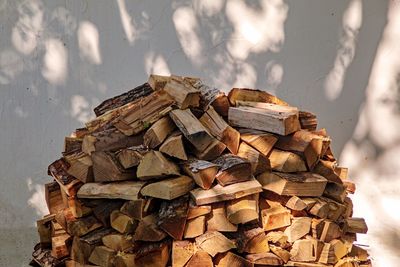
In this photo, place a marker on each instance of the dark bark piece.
(148, 230)
(104, 208)
(308, 120)
(106, 168)
(233, 169)
(172, 216)
(43, 257)
(80, 166)
(153, 254)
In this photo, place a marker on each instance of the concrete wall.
(59, 59)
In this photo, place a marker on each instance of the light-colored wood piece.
(173, 146)
(169, 189)
(81, 166)
(274, 215)
(122, 223)
(230, 259)
(60, 246)
(265, 259)
(182, 251)
(130, 157)
(158, 132)
(303, 251)
(280, 252)
(200, 259)
(232, 169)
(184, 94)
(259, 162)
(296, 203)
(243, 210)
(253, 95)
(214, 242)
(128, 190)
(217, 221)
(214, 150)
(262, 141)
(195, 227)
(203, 172)
(299, 227)
(285, 161)
(117, 242)
(196, 211)
(155, 165)
(102, 256)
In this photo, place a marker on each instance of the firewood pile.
(176, 173)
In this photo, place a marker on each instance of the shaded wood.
(153, 255)
(245, 235)
(285, 161)
(230, 259)
(117, 242)
(264, 259)
(254, 95)
(72, 144)
(218, 221)
(182, 251)
(214, 242)
(106, 168)
(327, 254)
(172, 216)
(195, 227)
(130, 157)
(355, 225)
(60, 245)
(214, 150)
(124, 260)
(242, 210)
(327, 169)
(173, 146)
(308, 120)
(77, 208)
(154, 165)
(203, 172)
(169, 189)
(232, 169)
(43, 257)
(335, 191)
(326, 230)
(128, 190)
(259, 162)
(278, 238)
(82, 226)
(102, 256)
(137, 209)
(200, 259)
(54, 201)
(262, 141)
(68, 183)
(104, 207)
(147, 230)
(44, 229)
(122, 222)
(80, 166)
(320, 209)
(157, 133)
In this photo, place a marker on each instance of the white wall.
(59, 59)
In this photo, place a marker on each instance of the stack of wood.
(176, 173)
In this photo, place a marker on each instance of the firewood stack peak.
(177, 173)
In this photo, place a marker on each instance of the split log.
(214, 242)
(200, 258)
(122, 223)
(80, 166)
(77, 208)
(157, 133)
(253, 95)
(281, 253)
(264, 259)
(326, 230)
(124, 260)
(303, 250)
(154, 166)
(157, 82)
(335, 191)
(320, 209)
(232, 169)
(196, 211)
(72, 144)
(272, 118)
(82, 226)
(327, 254)
(102, 256)
(218, 221)
(130, 157)
(243, 210)
(203, 172)
(68, 184)
(169, 189)
(53, 197)
(296, 203)
(117, 242)
(60, 245)
(278, 238)
(214, 97)
(259, 162)
(222, 193)
(172, 216)
(308, 120)
(230, 259)
(44, 229)
(273, 215)
(327, 169)
(355, 225)
(245, 240)
(221, 130)
(128, 190)
(299, 184)
(43, 257)
(299, 227)
(153, 255)
(285, 161)
(106, 168)
(195, 227)
(173, 146)
(182, 251)
(102, 209)
(339, 249)
(262, 141)
(184, 94)
(137, 209)
(214, 150)
(147, 230)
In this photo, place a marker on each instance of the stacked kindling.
(176, 173)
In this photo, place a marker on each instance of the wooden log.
(285, 161)
(147, 230)
(184, 94)
(72, 145)
(320, 209)
(117, 242)
(308, 120)
(326, 230)
(218, 221)
(242, 210)
(102, 256)
(102, 209)
(137, 209)
(200, 258)
(80, 166)
(232, 169)
(43, 257)
(60, 245)
(214, 242)
(203, 172)
(303, 250)
(221, 130)
(143, 112)
(130, 157)
(230, 259)
(124, 260)
(281, 253)
(278, 238)
(157, 82)
(192, 129)
(173, 146)
(359, 252)
(254, 95)
(82, 226)
(222, 193)
(172, 216)
(106, 168)
(153, 255)
(327, 255)
(271, 118)
(122, 99)
(264, 259)
(77, 208)
(335, 191)
(182, 251)
(128, 190)
(211, 96)
(339, 249)
(299, 227)
(154, 166)
(169, 189)
(196, 211)
(327, 169)
(296, 203)
(259, 162)
(262, 141)
(44, 229)
(195, 227)
(122, 223)
(355, 225)
(273, 215)
(67, 183)
(53, 197)
(213, 151)
(158, 132)
(299, 184)
(245, 235)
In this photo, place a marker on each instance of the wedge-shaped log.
(182, 251)
(259, 162)
(170, 188)
(82, 226)
(195, 227)
(308, 120)
(124, 260)
(117, 242)
(303, 250)
(355, 225)
(253, 95)
(336, 192)
(200, 258)
(280, 252)
(157, 133)
(172, 216)
(147, 230)
(325, 230)
(131, 157)
(299, 227)
(72, 144)
(154, 165)
(68, 183)
(326, 169)
(271, 118)
(102, 208)
(221, 130)
(122, 222)
(212, 152)
(218, 221)
(80, 166)
(128, 190)
(278, 238)
(273, 215)
(232, 169)
(214, 97)
(230, 259)
(203, 172)
(173, 146)
(214, 242)
(153, 255)
(262, 141)
(222, 193)
(157, 82)
(77, 208)
(245, 235)
(137, 209)
(102, 256)
(53, 197)
(143, 112)
(243, 210)
(196, 211)
(299, 184)
(285, 161)
(296, 203)
(265, 259)
(106, 168)
(184, 94)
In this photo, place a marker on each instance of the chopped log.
(130, 157)
(72, 144)
(203, 172)
(157, 133)
(359, 252)
(60, 245)
(221, 130)
(192, 129)
(285, 161)
(143, 112)
(296, 203)
(259, 162)
(53, 197)
(222, 193)
(271, 118)
(169, 189)
(43, 257)
(259, 244)
(355, 225)
(128, 190)
(172, 216)
(104, 207)
(300, 227)
(67, 183)
(245, 235)
(299, 184)
(173, 146)
(122, 223)
(182, 251)
(273, 215)
(184, 94)
(81, 166)
(106, 168)
(337, 210)
(157, 82)
(308, 120)
(320, 209)
(242, 210)
(350, 186)
(214, 242)
(147, 230)
(218, 221)
(124, 260)
(102, 256)
(230, 259)
(339, 249)
(326, 230)
(278, 238)
(214, 97)
(232, 169)
(117, 242)
(154, 166)
(44, 229)
(265, 259)
(195, 227)
(196, 211)
(214, 150)
(327, 169)
(335, 191)
(253, 95)
(153, 255)
(137, 209)
(77, 208)
(327, 254)
(200, 258)
(109, 140)
(280, 252)
(262, 141)
(303, 250)
(82, 226)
